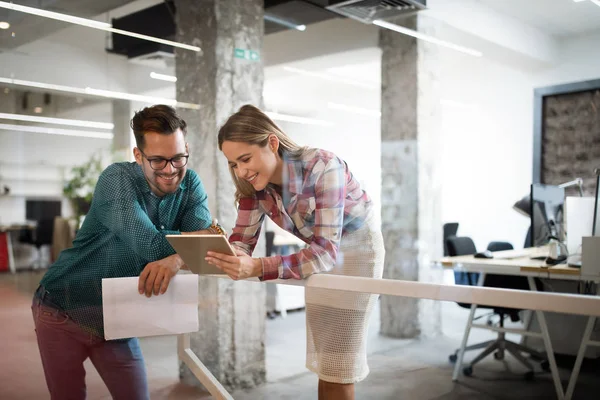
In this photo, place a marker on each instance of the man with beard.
(134, 206)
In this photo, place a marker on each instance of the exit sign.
(246, 54)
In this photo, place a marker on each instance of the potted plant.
(79, 188)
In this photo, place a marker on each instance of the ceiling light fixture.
(4, 25)
(101, 93)
(353, 109)
(55, 131)
(90, 23)
(330, 77)
(57, 121)
(427, 38)
(282, 22)
(162, 77)
(596, 2)
(298, 120)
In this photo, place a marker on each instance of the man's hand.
(237, 267)
(156, 275)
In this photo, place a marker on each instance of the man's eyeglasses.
(160, 163)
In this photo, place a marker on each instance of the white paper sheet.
(130, 314)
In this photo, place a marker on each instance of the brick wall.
(571, 139)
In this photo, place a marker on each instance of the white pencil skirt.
(337, 321)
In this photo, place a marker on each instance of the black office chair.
(42, 235)
(450, 229)
(270, 238)
(499, 246)
(464, 246)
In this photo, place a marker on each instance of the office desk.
(519, 263)
(8, 230)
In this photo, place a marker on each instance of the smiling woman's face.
(257, 165)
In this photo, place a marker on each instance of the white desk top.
(504, 264)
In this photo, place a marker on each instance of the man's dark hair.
(160, 118)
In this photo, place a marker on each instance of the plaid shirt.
(319, 202)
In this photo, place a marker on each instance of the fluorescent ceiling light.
(596, 2)
(162, 77)
(42, 85)
(90, 23)
(427, 38)
(54, 15)
(330, 77)
(282, 22)
(354, 110)
(4, 25)
(101, 93)
(55, 131)
(138, 97)
(57, 121)
(298, 120)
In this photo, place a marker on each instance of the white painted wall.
(487, 148)
(488, 135)
(579, 61)
(33, 165)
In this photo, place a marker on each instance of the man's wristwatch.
(217, 229)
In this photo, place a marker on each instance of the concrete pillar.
(411, 204)
(231, 340)
(123, 140)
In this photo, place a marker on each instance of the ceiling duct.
(159, 21)
(368, 11)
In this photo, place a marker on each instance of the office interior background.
(323, 86)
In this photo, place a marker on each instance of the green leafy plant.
(79, 188)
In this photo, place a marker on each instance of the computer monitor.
(37, 210)
(547, 213)
(596, 226)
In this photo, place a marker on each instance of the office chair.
(499, 246)
(270, 238)
(450, 229)
(464, 246)
(42, 235)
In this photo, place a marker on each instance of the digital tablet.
(193, 248)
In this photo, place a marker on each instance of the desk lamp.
(523, 206)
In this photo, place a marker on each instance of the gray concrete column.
(123, 141)
(411, 204)
(231, 340)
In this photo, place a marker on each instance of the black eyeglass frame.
(164, 161)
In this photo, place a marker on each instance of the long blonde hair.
(250, 125)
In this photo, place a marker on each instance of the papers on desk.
(130, 314)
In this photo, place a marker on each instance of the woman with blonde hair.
(312, 194)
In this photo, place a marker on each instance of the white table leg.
(548, 346)
(580, 355)
(199, 370)
(526, 325)
(463, 344)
